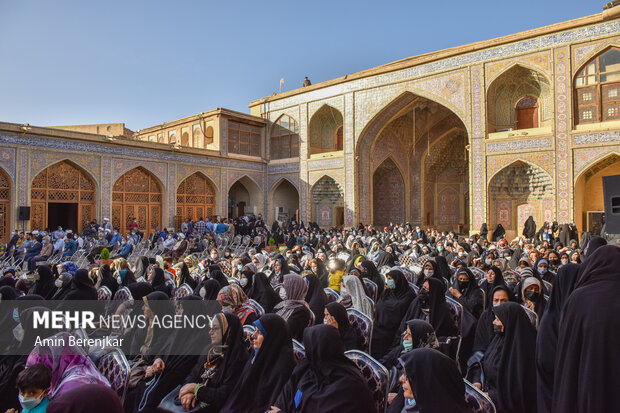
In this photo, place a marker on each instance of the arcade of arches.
(62, 194)
(137, 194)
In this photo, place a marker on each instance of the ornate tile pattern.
(539, 61)
(582, 53)
(106, 187)
(519, 145)
(543, 160)
(158, 169)
(562, 125)
(23, 175)
(304, 187)
(584, 158)
(7, 161)
(600, 137)
(118, 150)
(326, 163)
(39, 160)
(478, 179)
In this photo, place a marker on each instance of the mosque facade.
(490, 132)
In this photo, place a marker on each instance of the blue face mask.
(256, 352)
(408, 345)
(15, 315)
(391, 284)
(29, 403)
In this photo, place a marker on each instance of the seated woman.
(158, 281)
(336, 316)
(532, 296)
(70, 365)
(419, 334)
(352, 286)
(493, 279)
(169, 368)
(90, 398)
(82, 287)
(262, 292)
(212, 380)
(122, 271)
(315, 297)
(326, 380)
(509, 364)
(106, 279)
(232, 296)
(431, 306)
(466, 291)
(267, 371)
(293, 308)
(431, 382)
(389, 311)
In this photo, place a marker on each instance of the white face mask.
(18, 333)
(428, 273)
(488, 261)
(30, 402)
(213, 256)
(564, 261)
(283, 294)
(203, 293)
(461, 253)
(119, 281)
(542, 270)
(243, 282)
(58, 283)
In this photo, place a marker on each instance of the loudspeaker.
(611, 193)
(24, 213)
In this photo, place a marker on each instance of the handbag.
(172, 404)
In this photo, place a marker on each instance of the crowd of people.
(529, 322)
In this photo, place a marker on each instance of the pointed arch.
(137, 194)
(284, 137)
(395, 123)
(327, 202)
(245, 196)
(388, 193)
(64, 194)
(583, 61)
(6, 185)
(323, 130)
(283, 200)
(597, 87)
(516, 191)
(511, 66)
(196, 197)
(588, 191)
(515, 82)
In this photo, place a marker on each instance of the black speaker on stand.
(611, 193)
(24, 214)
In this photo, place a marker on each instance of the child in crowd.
(33, 384)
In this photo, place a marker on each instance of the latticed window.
(66, 183)
(195, 197)
(596, 88)
(136, 194)
(244, 139)
(284, 141)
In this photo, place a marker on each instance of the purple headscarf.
(70, 365)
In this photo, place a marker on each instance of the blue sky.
(146, 62)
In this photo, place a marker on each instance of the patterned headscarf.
(233, 295)
(70, 365)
